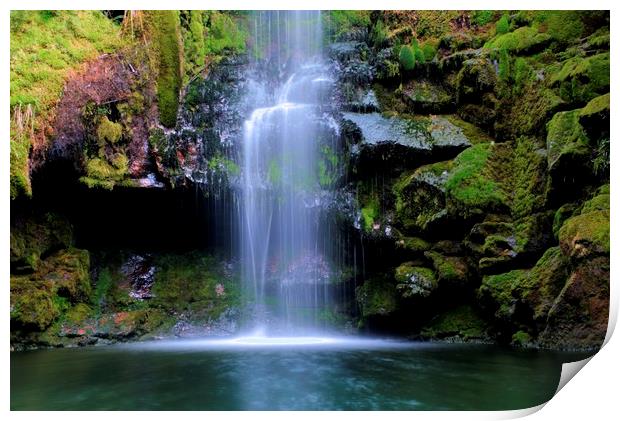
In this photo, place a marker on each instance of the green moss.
(419, 196)
(224, 33)
(521, 40)
(32, 303)
(502, 26)
(496, 292)
(521, 338)
(413, 244)
(101, 173)
(598, 202)
(561, 215)
(462, 321)
(469, 190)
(586, 234)
(472, 132)
(78, 313)
(68, 270)
(44, 50)
(483, 17)
(370, 212)
(328, 166)
(563, 25)
(108, 131)
(566, 140)
(528, 180)
(33, 237)
(450, 269)
(415, 281)
(597, 105)
(582, 79)
(376, 297)
(194, 283)
(194, 43)
(165, 32)
(224, 165)
(341, 22)
(407, 58)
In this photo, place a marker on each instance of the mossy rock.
(594, 117)
(521, 339)
(476, 77)
(526, 297)
(68, 270)
(185, 282)
(108, 131)
(539, 289)
(470, 190)
(567, 142)
(462, 322)
(167, 45)
(586, 235)
(524, 40)
(562, 214)
(104, 174)
(34, 236)
(426, 97)
(579, 316)
(415, 281)
(582, 79)
(33, 305)
(376, 297)
(528, 179)
(496, 294)
(420, 197)
(568, 156)
(528, 115)
(414, 246)
(450, 270)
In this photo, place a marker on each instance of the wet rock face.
(139, 271)
(396, 144)
(200, 148)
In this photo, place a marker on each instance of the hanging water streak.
(284, 266)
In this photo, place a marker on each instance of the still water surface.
(284, 373)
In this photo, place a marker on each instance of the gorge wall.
(469, 182)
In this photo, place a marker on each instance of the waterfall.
(286, 268)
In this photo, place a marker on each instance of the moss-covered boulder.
(376, 297)
(33, 303)
(594, 117)
(524, 40)
(567, 143)
(496, 294)
(586, 235)
(426, 97)
(452, 271)
(476, 77)
(472, 190)
(562, 214)
(34, 236)
(461, 323)
(68, 270)
(582, 79)
(579, 316)
(420, 197)
(415, 281)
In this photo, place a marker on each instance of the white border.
(591, 394)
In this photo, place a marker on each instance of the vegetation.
(45, 47)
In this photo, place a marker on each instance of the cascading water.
(285, 264)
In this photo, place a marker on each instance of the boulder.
(579, 316)
(415, 281)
